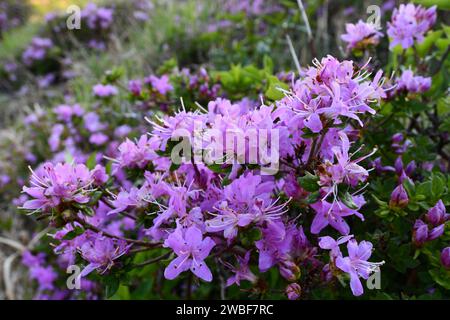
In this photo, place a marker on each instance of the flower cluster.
(432, 226)
(253, 180)
(410, 23)
(196, 214)
(361, 35)
(355, 264)
(37, 50)
(53, 185)
(414, 84)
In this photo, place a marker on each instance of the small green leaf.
(313, 197)
(74, 233)
(347, 199)
(309, 182)
(112, 284)
(92, 161)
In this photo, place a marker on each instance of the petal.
(245, 219)
(177, 266)
(33, 204)
(355, 284)
(352, 247)
(365, 250)
(436, 232)
(193, 236)
(327, 242)
(313, 123)
(340, 225)
(344, 264)
(230, 232)
(89, 268)
(205, 248)
(320, 221)
(201, 270)
(34, 192)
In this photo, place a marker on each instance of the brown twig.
(150, 261)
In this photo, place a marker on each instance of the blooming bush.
(196, 181)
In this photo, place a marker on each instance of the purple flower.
(97, 17)
(37, 50)
(162, 84)
(409, 23)
(101, 253)
(332, 214)
(191, 250)
(415, 84)
(97, 44)
(135, 87)
(380, 168)
(293, 291)
(122, 131)
(356, 264)
(329, 243)
(423, 233)
(241, 272)
(98, 138)
(135, 198)
(228, 221)
(31, 260)
(92, 122)
(437, 215)
(45, 276)
(399, 197)
(104, 91)
(137, 154)
(246, 200)
(400, 144)
(66, 112)
(53, 184)
(99, 175)
(278, 246)
(436, 218)
(55, 137)
(445, 257)
(361, 35)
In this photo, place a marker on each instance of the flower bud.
(445, 257)
(410, 168)
(398, 166)
(399, 197)
(420, 233)
(436, 232)
(293, 291)
(289, 270)
(437, 214)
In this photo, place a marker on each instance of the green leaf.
(115, 74)
(409, 187)
(273, 91)
(92, 161)
(74, 233)
(174, 167)
(122, 293)
(309, 182)
(347, 199)
(313, 197)
(438, 186)
(427, 43)
(441, 277)
(215, 167)
(111, 283)
(95, 197)
(268, 64)
(441, 4)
